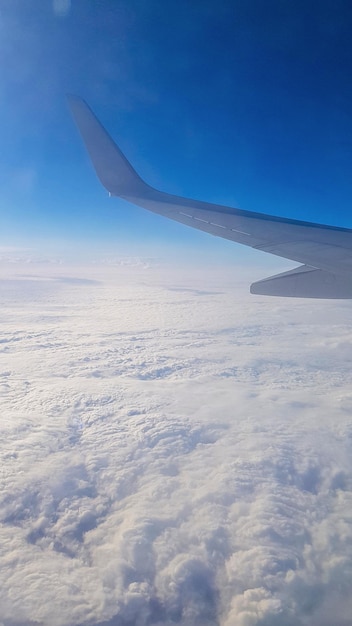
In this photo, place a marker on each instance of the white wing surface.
(324, 251)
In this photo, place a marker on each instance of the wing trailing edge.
(304, 282)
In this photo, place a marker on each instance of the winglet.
(112, 168)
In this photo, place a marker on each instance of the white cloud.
(173, 450)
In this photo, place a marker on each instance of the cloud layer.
(173, 451)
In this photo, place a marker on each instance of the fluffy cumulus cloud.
(173, 451)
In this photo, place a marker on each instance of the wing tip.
(112, 168)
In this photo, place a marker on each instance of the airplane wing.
(324, 251)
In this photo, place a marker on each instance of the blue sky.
(241, 103)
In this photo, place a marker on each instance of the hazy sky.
(243, 103)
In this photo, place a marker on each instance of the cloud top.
(173, 451)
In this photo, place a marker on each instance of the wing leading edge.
(324, 251)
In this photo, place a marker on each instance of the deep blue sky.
(246, 103)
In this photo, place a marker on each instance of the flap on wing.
(305, 282)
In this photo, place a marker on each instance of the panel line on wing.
(218, 225)
(200, 219)
(242, 232)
